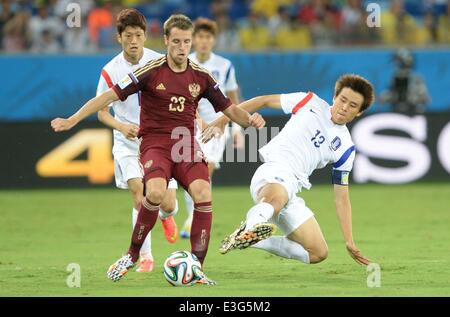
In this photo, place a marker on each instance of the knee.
(156, 195)
(318, 255)
(201, 194)
(277, 202)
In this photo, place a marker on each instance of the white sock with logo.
(146, 249)
(261, 212)
(284, 247)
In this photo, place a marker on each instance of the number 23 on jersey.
(177, 104)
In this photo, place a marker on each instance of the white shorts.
(213, 150)
(127, 167)
(295, 213)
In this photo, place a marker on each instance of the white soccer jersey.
(223, 71)
(310, 140)
(124, 111)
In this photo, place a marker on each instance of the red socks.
(148, 213)
(201, 229)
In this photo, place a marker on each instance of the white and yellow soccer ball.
(182, 268)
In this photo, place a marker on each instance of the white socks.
(164, 215)
(146, 249)
(261, 212)
(284, 247)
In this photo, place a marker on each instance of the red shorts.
(163, 157)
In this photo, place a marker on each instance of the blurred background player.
(205, 31)
(171, 87)
(131, 34)
(315, 136)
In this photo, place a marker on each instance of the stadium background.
(50, 69)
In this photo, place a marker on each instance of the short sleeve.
(133, 82)
(230, 80)
(290, 101)
(345, 161)
(104, 83)
(102, 86)
(215, 96)
(341, 168)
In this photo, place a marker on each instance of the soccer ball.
(182, 268)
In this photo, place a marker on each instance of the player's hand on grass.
(130, 131)
(257, 121)
(356, 254)
(60, 124)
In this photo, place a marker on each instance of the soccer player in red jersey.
(170, 87)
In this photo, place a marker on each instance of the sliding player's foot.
(242, 238)
(229, 243)
(146, 266)
(120, 268)
(259, 232)
(170, 229)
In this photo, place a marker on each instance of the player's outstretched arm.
(236, 114)
(130, 131)
(243, 118)
(344, 213)
(249, 106)
(90, 107)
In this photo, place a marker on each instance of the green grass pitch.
(406, 229)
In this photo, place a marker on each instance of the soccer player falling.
(170, 87)
(314, 136)
(131, 34)
(223, 71)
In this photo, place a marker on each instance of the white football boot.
(120, 268)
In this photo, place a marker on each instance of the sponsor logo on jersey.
(336, 143)
(125, 82)
(194, 89)
(160, 87)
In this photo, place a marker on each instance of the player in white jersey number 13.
(314, 136)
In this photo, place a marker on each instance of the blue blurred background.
(51, 69)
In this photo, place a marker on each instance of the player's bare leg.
(185, 233)
(310, 237)
(272, 198)
(200, 191)
(169, 207)
(148, 214)
(305, 244)
(136, 188)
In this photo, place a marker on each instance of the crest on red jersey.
(194, 89)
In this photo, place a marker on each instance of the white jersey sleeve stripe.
(344, 157)
(107, 78)
(302, 102)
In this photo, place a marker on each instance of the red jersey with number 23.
(169, 99)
